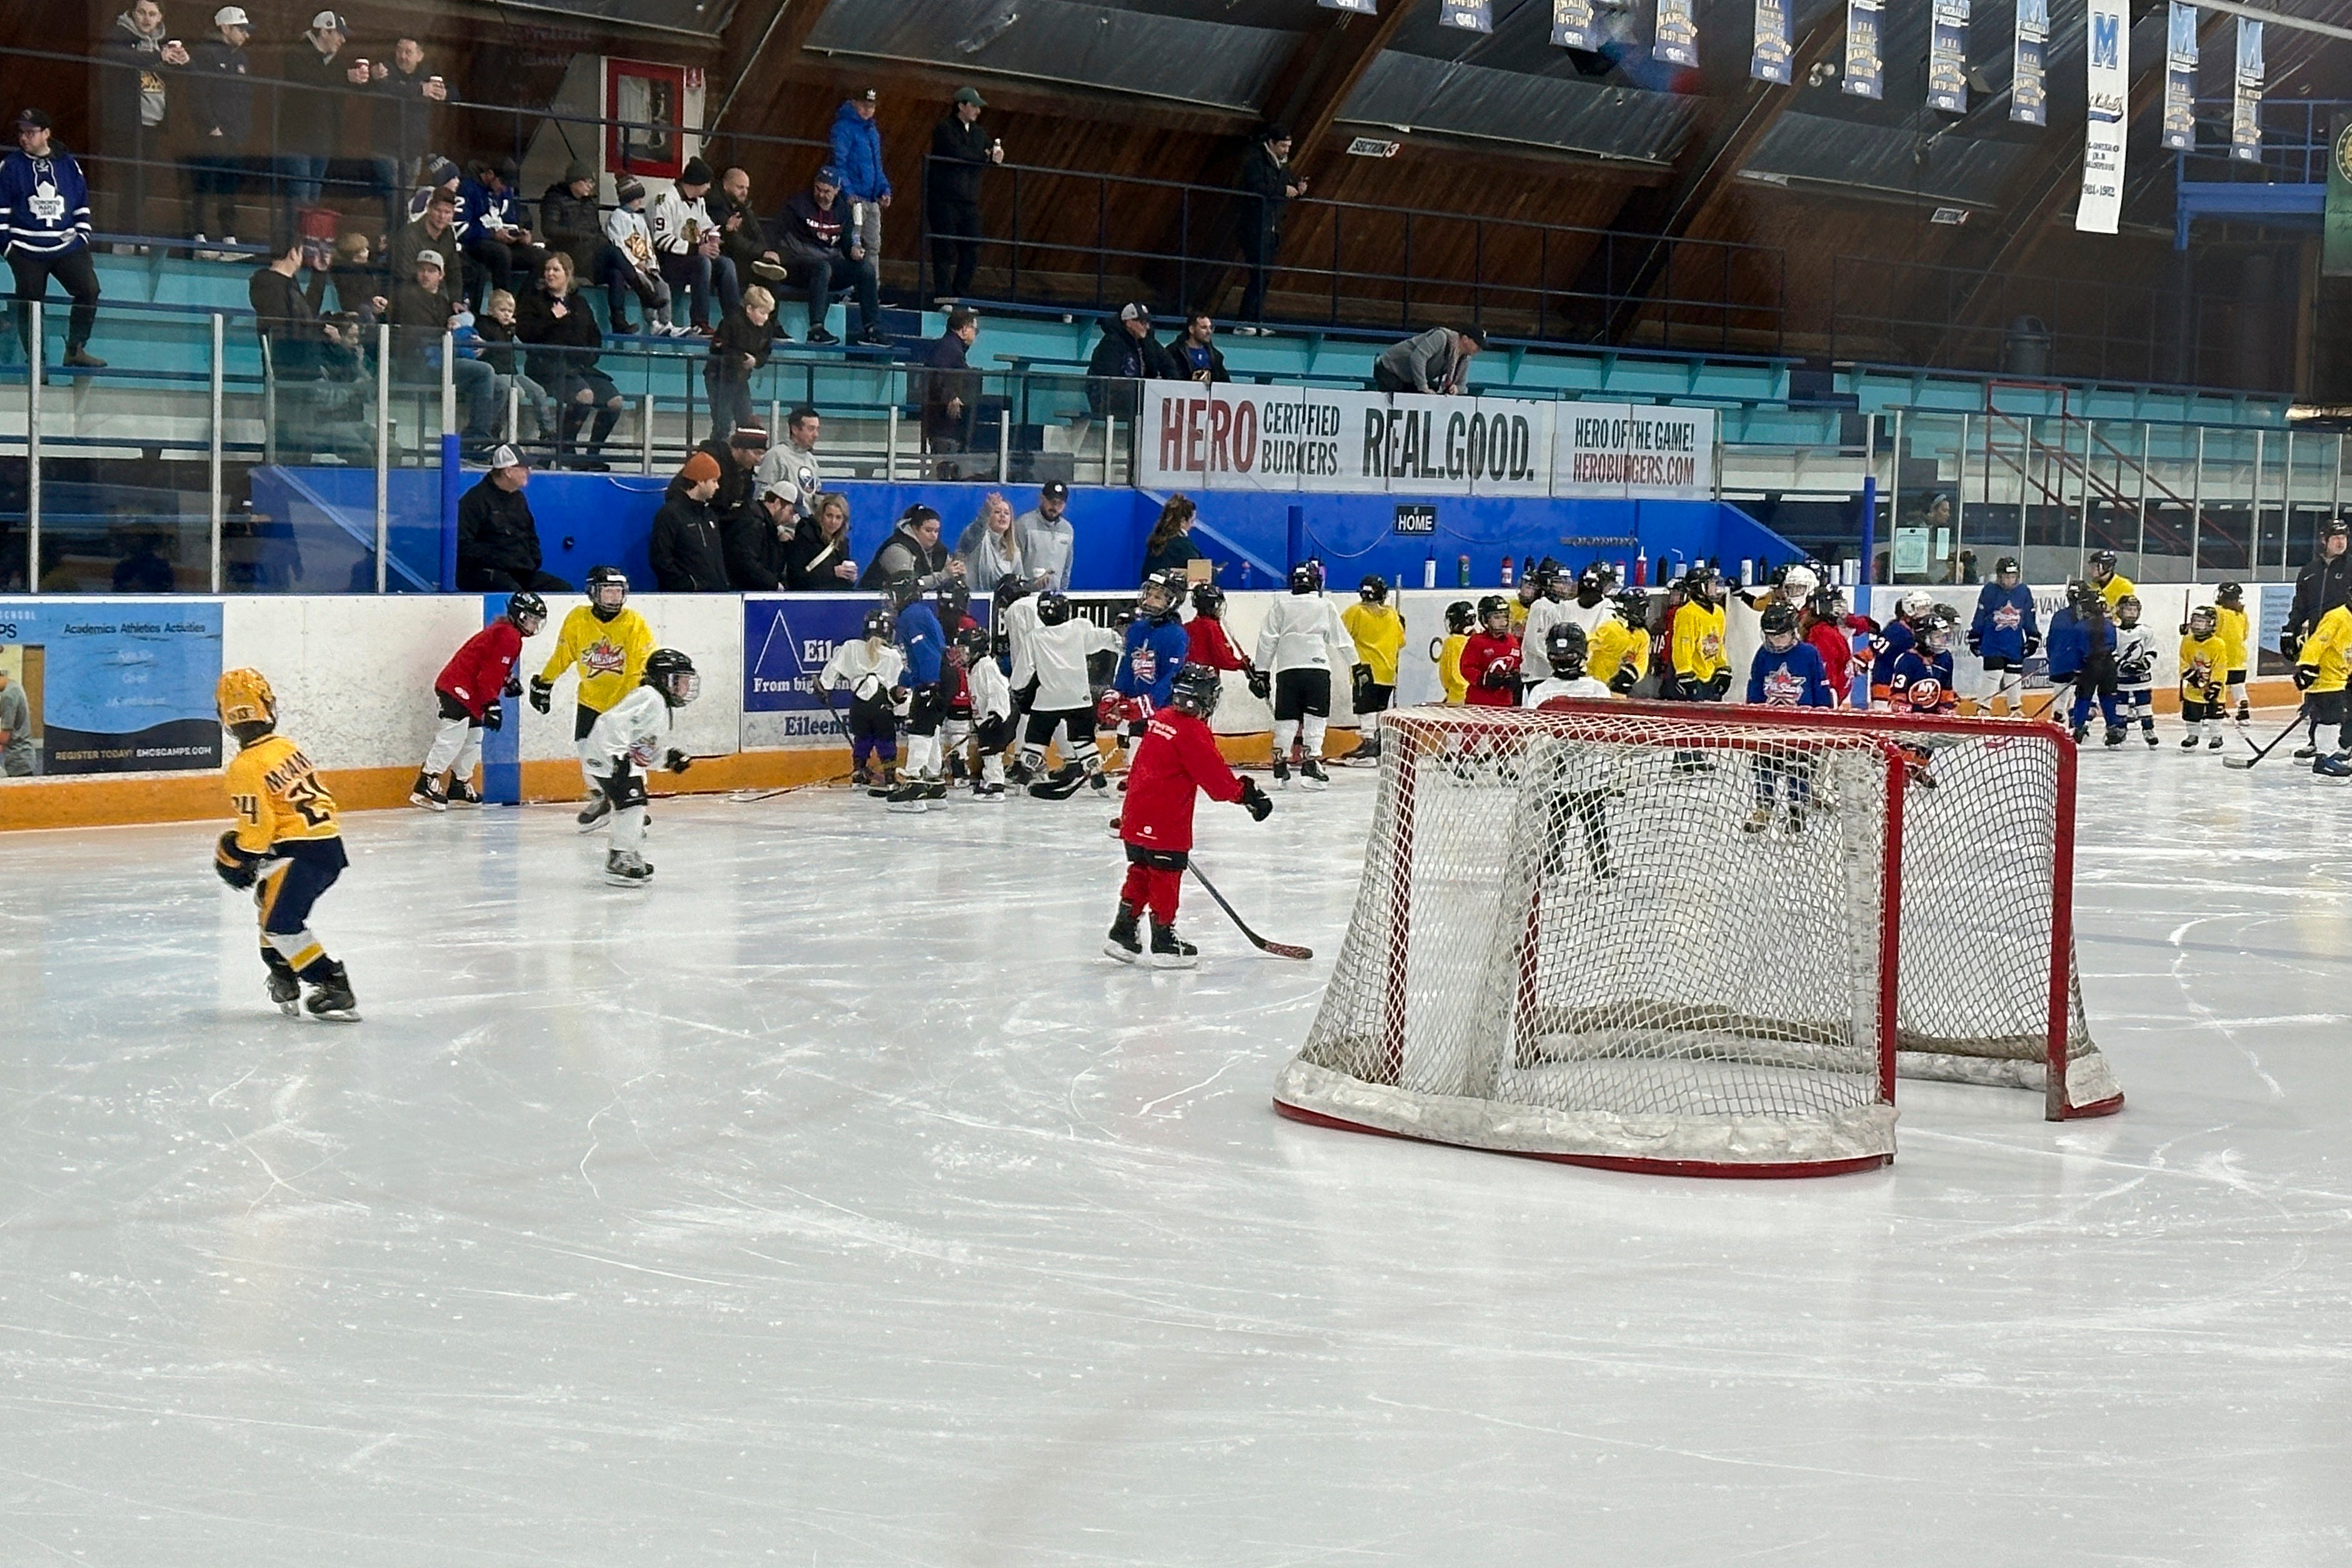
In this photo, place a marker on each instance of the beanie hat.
(630, 191)
(578, 169)
(696, 173)
(701, 468)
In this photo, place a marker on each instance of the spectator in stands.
(440, 176)
(1435, 361)
(1128, 354)
(284, 315)
(820, 560)
(1170, 548)
(741, 237)
(136, 58)
(738, 351)
(562, 331)
(500, 352)
(950, 386)
(498, 539)
(857, 155)
(686, 242)
(406, 94)
(913, 549)
(961, 153)
(45, 232)
(439, 230)
(1046, 539)
(310, 108)
(792, 468)
(736, 456)
(321, 400)
(991, 548)
(220, 119)
(498, 241)
(1196, 352)
(820, 246)
(1270, 185)
(569, 222)
(423, 307)
(686, 553)
(359, 284)
(758, 542)
(636, 266)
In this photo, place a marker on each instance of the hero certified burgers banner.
(1290, 438)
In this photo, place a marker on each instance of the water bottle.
(1641, 569)
(1506, 571)
(1462, 570)
(1429, 571)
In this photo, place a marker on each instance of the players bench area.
(120, 689)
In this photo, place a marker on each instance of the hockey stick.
(2242, 764)
(1280, 948)
(2050, 714)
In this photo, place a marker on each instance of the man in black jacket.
(1128, 354)
(961, 153)
(758, 543)
(1271, 186)
(951, 388)
(1195, 353)
(687, 554)
(2320, 587)
(498, 540)
(220, 118)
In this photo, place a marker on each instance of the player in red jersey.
(469, 688)
(1177, 760)
(1490, 660)
(1205, 632)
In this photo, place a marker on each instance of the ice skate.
(427, 795)
(1311, 775)
(593, 813)
(1170, 950)
(2114, 736)
(1758, 820)
(1123, 944)
(462, 793)
(1796, 817)
(909, 798)
(1281, 773)
(2334, 766)
(330, 997)
(287, 991)
(1061, 785)
(2305, 752)
(2188, 741)
(2213, 743)
(626, 868)
(2148, 734)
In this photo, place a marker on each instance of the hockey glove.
(542, 695)
(1261, 685)
(234, 865)
(1718, 684)
(2289, 642)
(494, 717)
(1976, 644)
(678, 762)
(1624, 680)
(1255, 801)
(513, 687)
(2032, 647)
(2304, 674)
(1498, 675)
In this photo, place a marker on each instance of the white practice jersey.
(1019, 623)
(1056, 658)
(867, 670)
(631, 731)
(1589, 616)
(1544, 691)
(992, 694)
(1541, 617)
(1303, 631)
(2134, 656)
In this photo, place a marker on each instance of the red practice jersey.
(479, 671)
(1208, 645)
(1835, 646)
(1177, 757)
(1484, 652)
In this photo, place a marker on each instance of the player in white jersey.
(992, 712)
(1300, 641)
(2135, 669)
(626, 742)
(1050, 661)
(1012, 625)
(1565, 647)
(1578, 786)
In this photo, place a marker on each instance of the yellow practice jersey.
(1615, 646)
(1449, 668)
(611, 655)
(2115, 588)
(1519, 614)
(278, 797)
(2329, 649)
(1379, 634)
(2231, 626)
(1698, 651)
(2204, 668)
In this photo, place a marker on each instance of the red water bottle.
(1506, 571)
(1641, 569)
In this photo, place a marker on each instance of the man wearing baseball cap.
(1046, 538)
(498, 539)
(311, 117)
(1128, 354)
(857, 155)
(961, 153)
(45, 230)
(221, 115)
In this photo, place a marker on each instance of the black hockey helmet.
(1699, 580)
(954, 599)
(1494, 605)
(1373, 590)
(1564, 647)
(903, 590)
(1780, 620)
(974, 642)
(1168, 586)
(1542, 575)
(671, 673)
(1591, 584)
(1011, 591)
(1196, 689)
(1936, 631)
(1633, 608)
(2103, 562)
(2007, 566)
(2204, 620)
(1208, 600)
(2128, 610)
(2230, 596)
(1053, 608)
(1460, 616)
(879, 623)
(1306, 578)
(526, 605)
(608, 590)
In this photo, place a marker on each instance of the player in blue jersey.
(2004, 635)
(1787, 672)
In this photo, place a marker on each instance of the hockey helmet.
(903, 590)
(878, 624)
(954, 599)
(2203, 622)
(1565, 649)
(671, 673)
(244, 697)
(1913, 604)
(1306, 578)
(1373, 590)
(973, 641)
(2006, 566)
(2128, 610)
(2102, 565)
(1936, 631)
(527, 606)
(1590, 585)
(608, 590)
(2230, 595)
(1699, 580)
(1780, 620)
(1494, 605)
(1208, 600)
(1053, 608)
(1460, 616)
(1797, 582)
(1011, 591)
(1634, 609)
(1196, 689)
(1161, 594)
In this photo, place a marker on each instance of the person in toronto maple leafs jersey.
(1787, 672)
(2004, 635)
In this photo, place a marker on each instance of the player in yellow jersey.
(1618, 651)
(1700, 665)
(2204, 675)
(2111, 584)
(2230, 617)
(286, 848)
(1460, 616)
(1378, 631)
(2323, 669)
(607, 642)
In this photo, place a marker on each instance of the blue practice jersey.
(1148, 666)
(925, 647)
(1921, 682)
(2005, 622)
(1792, 678)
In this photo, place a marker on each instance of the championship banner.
(1865, 72)
(1947, 57)
(110, 687)
(1632, 449)
(1470, 15)
(1769, 59)
(2179, 126)
(2336, 225)
(2246, 107)
(1573, 26)
(2101, 205)
(1675, 39)
(2028, 88)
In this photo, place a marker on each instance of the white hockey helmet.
(1913, 604)
(1797, 585)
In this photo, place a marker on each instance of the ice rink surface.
(833, 1202)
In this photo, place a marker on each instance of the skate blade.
(421, 804)
(1174, 961)
(909, 807)
(1112, 949)
(291, 1009)
(619, 881)
(592, 825)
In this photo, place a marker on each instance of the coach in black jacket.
(2320, 587)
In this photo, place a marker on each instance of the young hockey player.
(2094, 662)
(1051, 659)
(991, 713)
(1787, 672)
(871, 668)
(2204, 679)
(1554, 590)
(1702, 671)
(286, 848)
(2105, 578)
(1378, 631)
(1893, 641)
(917, 627)
(1011, 627)
(1565, 657)
(1921, 680)
(2322, 670)
(2230, 618)
(1178, 758)
(1460, 618)
(607, 642)
(2135, 670)
(1204, 635)
(1299, 643)
(1535, 586)
(2004, 635)
(1830, 629)
(626, 742)
(1578, 788)
(1156, 646)
(1490, 658)
(468, 689)
(1619, 648)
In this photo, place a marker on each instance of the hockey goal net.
(1657, 938)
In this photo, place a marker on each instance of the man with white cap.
(498, 539)
(311, 117)
(422, 310)
(221, 116)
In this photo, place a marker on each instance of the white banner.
(2102, 204)
(1234, 437)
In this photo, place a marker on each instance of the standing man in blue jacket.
(45, 231)
(857, 158)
